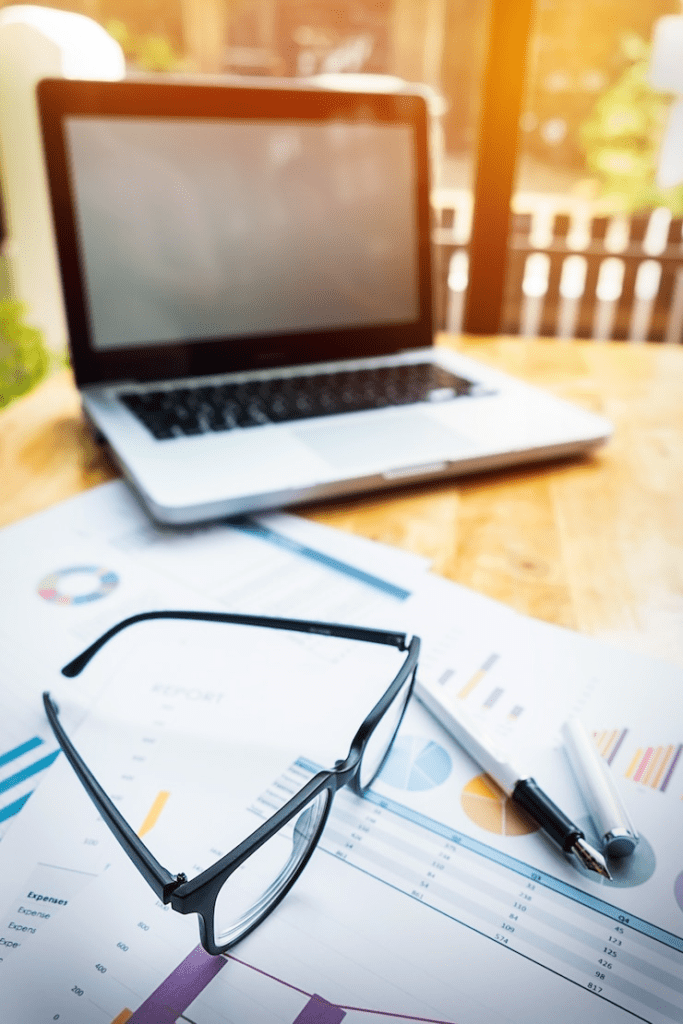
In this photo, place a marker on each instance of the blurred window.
(439, 43)
(600, 161)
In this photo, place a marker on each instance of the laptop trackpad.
(391, 442)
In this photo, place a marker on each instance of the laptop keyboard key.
(187, 411)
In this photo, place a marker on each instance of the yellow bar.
(154, 812)
(468, 687)
(124, 1016)
(632, 767)
(606, 747)
(663, 766)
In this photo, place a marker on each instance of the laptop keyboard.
(186, 411)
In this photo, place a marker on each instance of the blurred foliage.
(24, 359)
(622, 137)
(146, 52)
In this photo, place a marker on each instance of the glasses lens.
(250, 891)
(380, 741)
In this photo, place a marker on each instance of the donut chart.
(77, 584)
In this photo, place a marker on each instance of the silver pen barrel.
(611, 819)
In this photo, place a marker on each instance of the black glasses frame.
(198, 895)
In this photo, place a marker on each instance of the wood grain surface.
(594, 543)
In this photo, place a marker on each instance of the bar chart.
(195, 973)
(418, 895)
(654, 766)
(19, 767)
(609, 742)
(474, 680)
(428, 877)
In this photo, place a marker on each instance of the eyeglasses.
(236, 893)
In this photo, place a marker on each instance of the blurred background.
(591, 125)
(590, 201)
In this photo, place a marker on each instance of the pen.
(609, 815)
(523, 791)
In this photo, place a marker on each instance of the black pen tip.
(590, 858)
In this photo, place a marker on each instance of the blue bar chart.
(17, 768)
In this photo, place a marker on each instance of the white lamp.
(35, 43)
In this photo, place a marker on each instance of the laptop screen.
(204, 229)
(224, 229)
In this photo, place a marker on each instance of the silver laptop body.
(247, 280)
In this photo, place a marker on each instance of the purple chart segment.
(318, 1011)
(181, 988)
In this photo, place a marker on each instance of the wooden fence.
(617, 279)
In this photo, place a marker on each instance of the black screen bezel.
(58, 99)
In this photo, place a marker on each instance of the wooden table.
(594, 543)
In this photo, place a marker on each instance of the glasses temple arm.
(159, 878)
(377, 636)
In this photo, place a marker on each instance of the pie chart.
(487, 806)
(626, 872)
(678, 890)
(415, 764)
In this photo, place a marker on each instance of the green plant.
(622, 136)
(147, 52)
(24, 360)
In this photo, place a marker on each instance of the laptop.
(247, 281)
